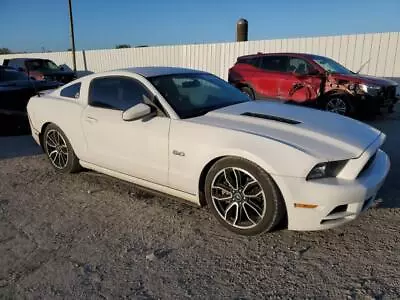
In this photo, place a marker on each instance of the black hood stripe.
(272, 118)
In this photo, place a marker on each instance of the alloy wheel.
(57, 149)
(238, 198)
(337, 105)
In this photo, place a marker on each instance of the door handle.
(91, 120)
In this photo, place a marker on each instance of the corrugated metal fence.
(381, 50)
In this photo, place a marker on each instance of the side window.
(71, 91)
(298, 66)
(274, 63)
(253, 61)
(119, 93)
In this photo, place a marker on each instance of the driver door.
(136, 148)
(298, 84)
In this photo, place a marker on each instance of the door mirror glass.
(136, 112)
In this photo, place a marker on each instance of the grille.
(390, 92)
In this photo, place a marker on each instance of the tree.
(5, 51)
(122, 46)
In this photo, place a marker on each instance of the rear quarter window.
(252, 61)
(72, 91)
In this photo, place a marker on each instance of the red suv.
(311, 79)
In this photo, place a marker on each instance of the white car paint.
(144, 152)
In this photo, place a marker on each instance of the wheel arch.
(338, 92)
(41, 132)
(250, 158)
(281, 188)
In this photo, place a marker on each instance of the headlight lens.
(370, 89)
(326, 169)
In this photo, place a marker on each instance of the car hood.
(321, 134)
(367, 79)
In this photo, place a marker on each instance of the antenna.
(363, 65)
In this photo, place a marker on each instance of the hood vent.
(269, 117)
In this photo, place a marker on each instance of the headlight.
(372, 90)
(326, 169)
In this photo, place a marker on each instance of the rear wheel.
(59, 150)
(248, 91)
(243, 197)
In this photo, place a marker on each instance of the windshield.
(196, 94)
(41, 65)
(330, 65)
(12, 75)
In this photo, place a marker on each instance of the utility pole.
(71, 29)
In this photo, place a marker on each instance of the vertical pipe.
(71, 27)
(242, 30)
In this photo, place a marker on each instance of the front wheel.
(243, 197)
(248, 91)
(337, 103)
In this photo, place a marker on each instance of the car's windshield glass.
(330, 65)
(12, 75)
(41, 64)
(192, 95)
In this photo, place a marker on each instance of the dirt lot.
(93, 237)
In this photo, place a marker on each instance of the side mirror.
(136, 112)
(32, 78)
(62, 69)
(21, 69)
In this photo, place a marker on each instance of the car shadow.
(17, 146)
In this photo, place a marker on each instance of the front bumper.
(368, 103)
(338, 200)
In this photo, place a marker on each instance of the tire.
(59, 150)
(338, 103)
(248, 91)
(252, 208)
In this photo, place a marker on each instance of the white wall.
(383, 50)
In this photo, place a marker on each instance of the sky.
(31, 25)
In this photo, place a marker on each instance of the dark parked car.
(16, 88)
(41, 69)
(311, 79)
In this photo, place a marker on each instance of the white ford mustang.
(190, 134)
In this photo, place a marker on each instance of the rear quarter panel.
(65, 113)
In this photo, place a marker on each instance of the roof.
(297, 54)
(159, 71)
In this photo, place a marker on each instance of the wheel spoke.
(237, 179)
(253, 196)
(64, 158)
(226, 179)
(225, 191)
(59, 160)
(247, 215)
(230, 206)
(51, 142)
(254, 208)
(248, 184)
(64, 149)
(54, 152)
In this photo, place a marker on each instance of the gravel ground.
(93, 237)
